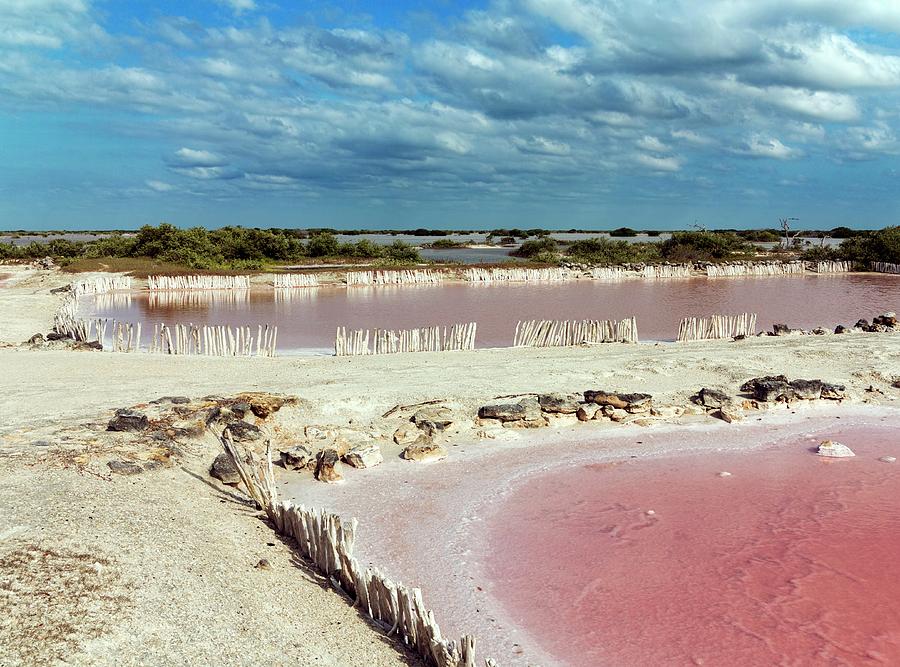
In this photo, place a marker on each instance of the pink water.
(307, 318)
(792, 560)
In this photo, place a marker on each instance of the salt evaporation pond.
(630, 549)
(308, 317)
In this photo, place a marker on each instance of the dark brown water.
(307, 318)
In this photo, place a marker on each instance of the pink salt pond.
(790, 560)
(629, 548)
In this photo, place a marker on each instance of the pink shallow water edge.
(793, 559)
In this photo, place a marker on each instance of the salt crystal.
(724, 473)
(888, 459)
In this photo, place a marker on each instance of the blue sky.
(554, 113)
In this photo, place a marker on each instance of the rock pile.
(533, 411)
(777, 388)
(885, 323)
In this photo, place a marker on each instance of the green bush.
(880, 246)
(704, 246)
(602, 250)
(531, 248)
(623, 231)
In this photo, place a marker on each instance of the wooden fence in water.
(717, 326)
(328, 541)
(755, 269)
(101, 285)
(357, 342)
(216, 341)
(197, 282)
(654, 271)
(409, 277)
(288, 280)
(518, 275)
(562, 333)
(885, 267)
(833, 267)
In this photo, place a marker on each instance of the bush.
(533, 247)
(623, 231)
(606, 251)
(704, 246)
(880, 246)
(323, 245)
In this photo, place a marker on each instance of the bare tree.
(786, 231)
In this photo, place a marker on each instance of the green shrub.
(602, 250)
(544, 245)
(704, 246)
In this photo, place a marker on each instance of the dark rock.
(819, 331)
(887, 321)
(263, 564)
(328, 466)
(241, 431)
(527, 409)
(781, 329)
(630, 402)
(87, 346)
(432, 419)
(124, 467)
(61, 290)
(809, 390)
(36, 339)
(861, 324)
(769, 388)
(223, 469)
(55, 335)
(840, 328)
(566, 404)
(833, 392)
(711, 398)
(263, 406)
(296, 457)
(240, 409)
(128, 420)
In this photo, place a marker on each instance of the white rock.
(888, 459)
(724, 473)
(364, 456)
(834, 450)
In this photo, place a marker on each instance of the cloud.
(652, 144)
(542, 146)
(189, 157)
(767, 147)
(658, 163)
(159, 186)
(238, 6)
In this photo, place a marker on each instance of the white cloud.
(652, 144)
(159, 186)
(189, 157)
(658, 163)
(767, 147)
(238, 6)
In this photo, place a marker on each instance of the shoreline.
(465, 492)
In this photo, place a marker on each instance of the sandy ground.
(175, 556)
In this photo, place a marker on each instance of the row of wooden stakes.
(717, 327)
(327, 540)
(357, 342)
(563, 333)
(215, 341)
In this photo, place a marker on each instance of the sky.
(654, 114)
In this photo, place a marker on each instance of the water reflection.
(196, 299)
